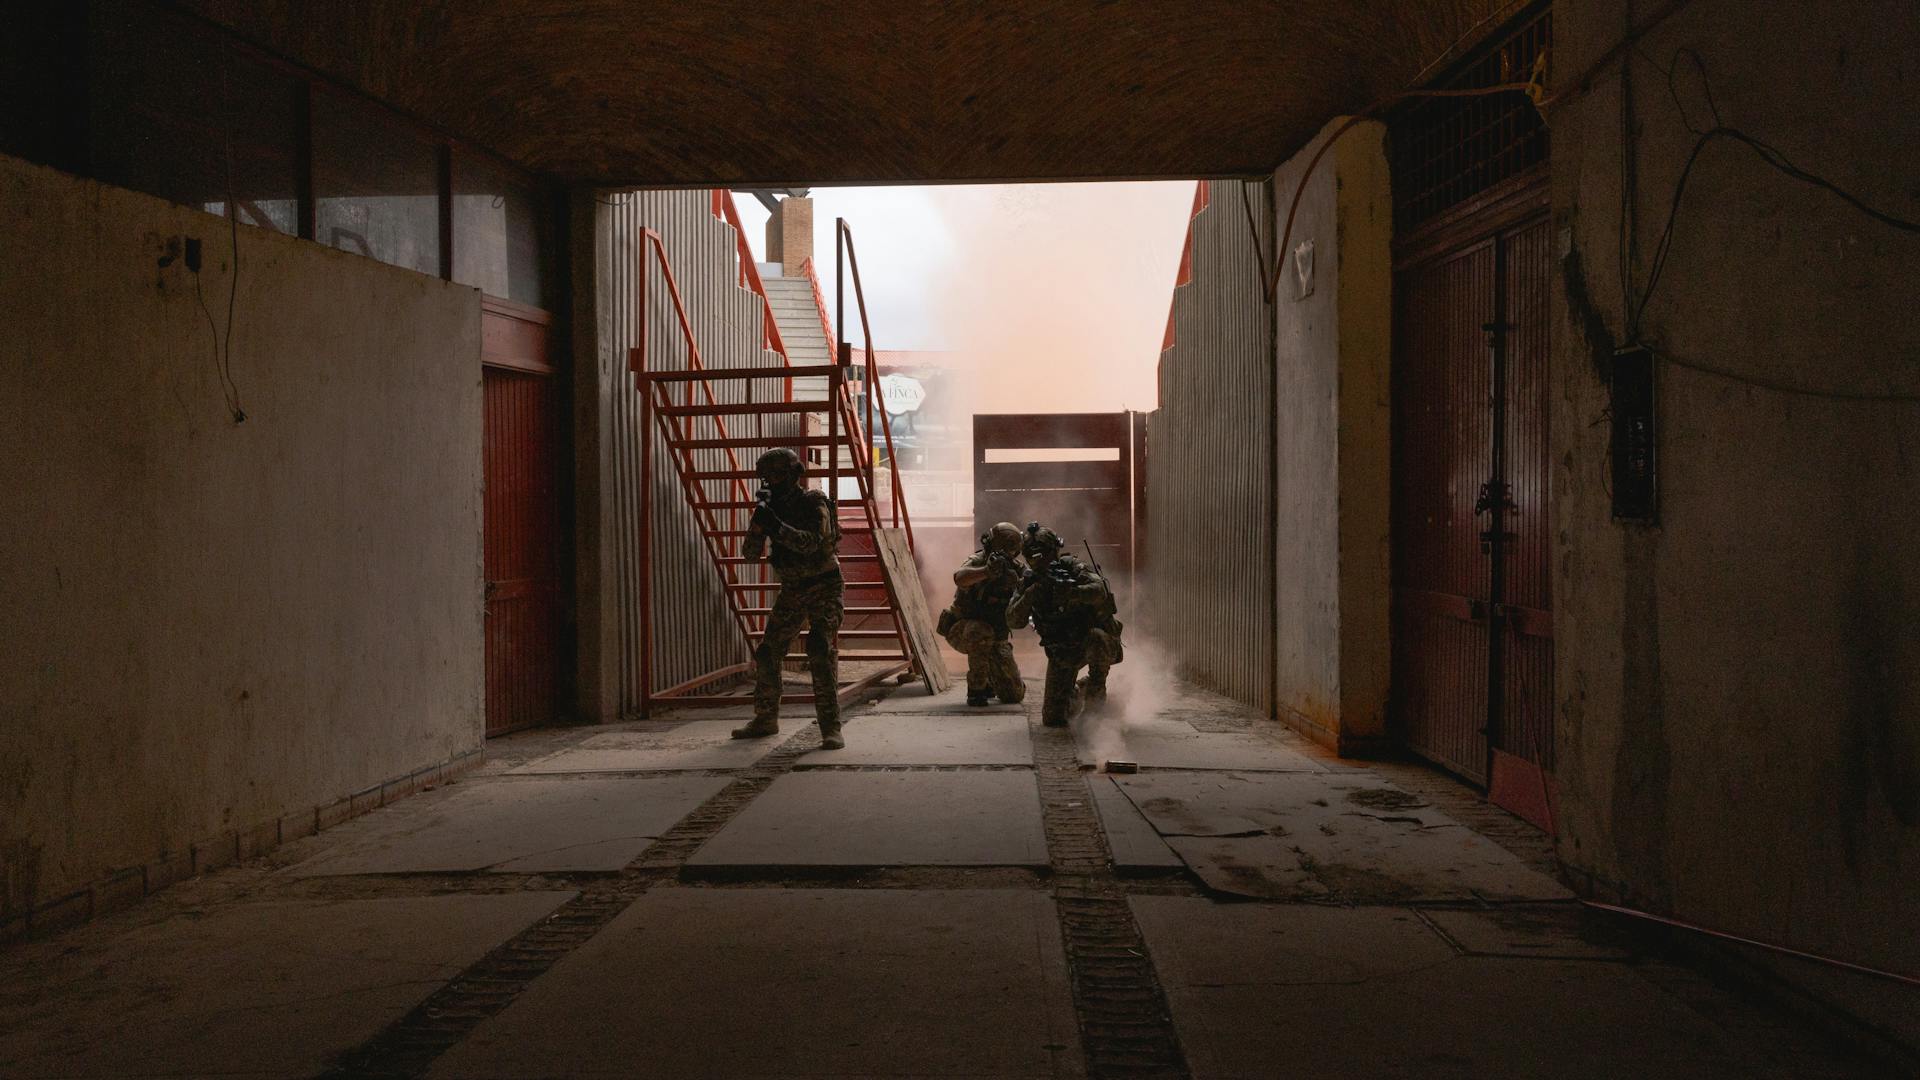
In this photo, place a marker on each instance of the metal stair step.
(846, 527)
(741, 560)
(746, 408)
(895, 634)
(796, 372)
(774, 586)
(741, 442)
(852, 611)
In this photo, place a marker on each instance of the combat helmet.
(780, 465)
(1004, 538)
(1041, 542)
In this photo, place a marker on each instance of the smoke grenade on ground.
(1138, 689)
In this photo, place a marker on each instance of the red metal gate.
(522, 521)
(1472, 630)
(1472, 624)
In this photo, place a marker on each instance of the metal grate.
(1447, 150)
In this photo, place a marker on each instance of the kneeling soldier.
(976, 624)
(1073, 610)
(799, 524)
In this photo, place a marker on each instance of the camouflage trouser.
(1095, 652)
(818, 605)
(990, 664)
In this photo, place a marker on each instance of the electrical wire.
(233, 291)
(213, 332)
(223, 343)
(1774, 157)
(1253, 230)
(1533, 88)
(1626, 230)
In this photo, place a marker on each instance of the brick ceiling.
(775, 92)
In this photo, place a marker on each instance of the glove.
(764, 518)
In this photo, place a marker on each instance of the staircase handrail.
(641, 367)
(901, 519)
(819, 300)
(725, 209)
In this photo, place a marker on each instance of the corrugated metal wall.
(1209, 571)
(693, 631)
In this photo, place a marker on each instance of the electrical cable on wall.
(1534, 88)
(223, 343)
(1663, 249)
(233, 291)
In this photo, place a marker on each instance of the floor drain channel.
(1125, 1026)
(409, 1046)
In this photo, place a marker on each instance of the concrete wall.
(1739, 686)
(210, 626)
(1209, 562)
(1333, 347)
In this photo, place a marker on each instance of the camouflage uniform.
(1072, 609)
(976, 625)
(812, 595)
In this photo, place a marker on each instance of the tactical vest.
(807, 510)
(987, 600)
(1062, 623)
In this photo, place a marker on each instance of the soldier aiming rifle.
(1075, 614)
(976, 622)
(798, 524)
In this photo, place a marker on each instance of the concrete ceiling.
(763, 92)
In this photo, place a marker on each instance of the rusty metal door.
(522, 523)
(1077, 473)
(1472, 630)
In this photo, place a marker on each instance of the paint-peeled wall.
(1332, 318)
(1738, 684)
(1208, 560)
(211, 628)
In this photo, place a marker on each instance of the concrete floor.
(656, 899)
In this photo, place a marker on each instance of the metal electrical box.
(1635, 467)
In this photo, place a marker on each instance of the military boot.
(1094, 692)
(830, 737)
(758, 728)
(978, 700)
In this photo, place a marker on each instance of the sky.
(1053, 295)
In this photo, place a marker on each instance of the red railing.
(724, 208)
(846, 259)
(723, 538)
(650, 392)
(819, 301)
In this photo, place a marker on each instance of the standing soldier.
(976, 624)
(1073, 610)
(799, 524)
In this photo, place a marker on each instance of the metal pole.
(840, 357)
(645, 386)
(1497, 505)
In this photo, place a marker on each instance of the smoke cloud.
(1138, 689)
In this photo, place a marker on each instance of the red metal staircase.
(714, 423)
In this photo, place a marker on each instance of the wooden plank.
(1028, 475)
(1048, 430)
(905, 576)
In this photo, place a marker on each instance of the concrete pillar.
(1333, 344)
(597, 675)
(790, 234)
